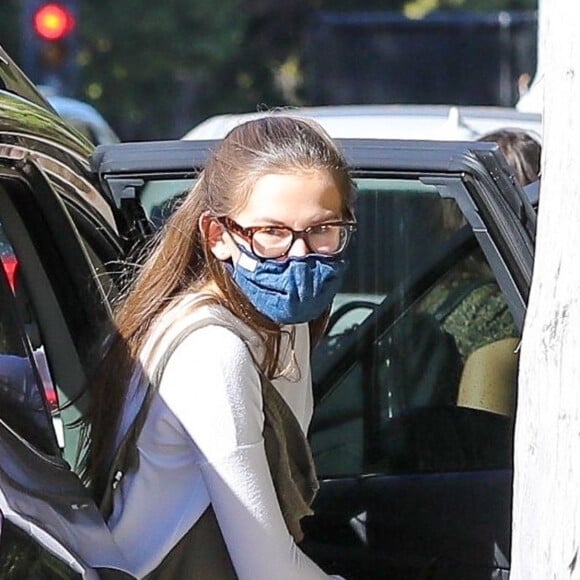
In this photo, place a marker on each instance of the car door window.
(160, 197)
(417, 372)
(26, 388)
(60, 299)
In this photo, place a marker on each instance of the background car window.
(160, 197)
(26, 389)
(417, 372)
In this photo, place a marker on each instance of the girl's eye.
(274, 232)
(320, 229)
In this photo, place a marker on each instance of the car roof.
(14, 81)
(425, 122)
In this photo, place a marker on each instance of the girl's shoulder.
(194, 321)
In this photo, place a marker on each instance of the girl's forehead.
(284, 196)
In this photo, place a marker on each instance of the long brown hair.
(522, 151)
(179, 262)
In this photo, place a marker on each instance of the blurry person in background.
(480, 315)
(521, 150)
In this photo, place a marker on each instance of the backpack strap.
(289, 459)
(126, 457)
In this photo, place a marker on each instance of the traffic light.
(53, 22)
(50, 43)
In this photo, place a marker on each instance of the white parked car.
(85, 118)
(425, 122)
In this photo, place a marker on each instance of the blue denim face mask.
(290, 291)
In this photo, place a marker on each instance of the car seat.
(489, 378)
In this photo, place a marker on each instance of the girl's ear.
(216, 236)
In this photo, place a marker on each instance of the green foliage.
(352, 5)
(425, 6)
(420, 8)
(10, 36)
(143, 67)
(154, 69)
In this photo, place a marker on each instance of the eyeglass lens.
(324, 239)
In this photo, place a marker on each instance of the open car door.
(413, 423)
(50, 304)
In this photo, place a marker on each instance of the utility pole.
(546, 509)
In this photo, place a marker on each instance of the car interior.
(375, 408)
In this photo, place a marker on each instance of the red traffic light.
(53, 21)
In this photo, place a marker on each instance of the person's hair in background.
(521, 150)
(523, 154)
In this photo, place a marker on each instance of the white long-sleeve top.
(202, 443)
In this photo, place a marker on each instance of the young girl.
(208, 376)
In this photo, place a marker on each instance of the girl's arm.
(213, 387)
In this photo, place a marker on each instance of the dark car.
(414, 453)
(56, 232)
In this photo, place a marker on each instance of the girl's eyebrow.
(268, 222)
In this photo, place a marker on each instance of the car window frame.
(65, 292)
(123, 168)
